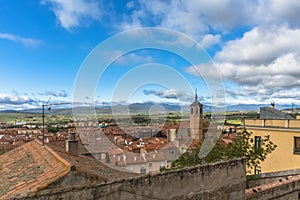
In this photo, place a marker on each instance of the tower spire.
(196, 96)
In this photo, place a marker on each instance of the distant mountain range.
(9, 111)
(149, 106)
(133, 108)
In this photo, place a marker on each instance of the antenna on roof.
(294, 108)
(48, 105)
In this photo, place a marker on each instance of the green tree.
(242, 146)
(188, 158)
(52, 129)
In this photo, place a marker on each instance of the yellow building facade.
(285, 134)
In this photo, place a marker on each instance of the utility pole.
(43, 117)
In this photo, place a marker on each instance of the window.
(171, 152)
(130, 168)
(143, 169)
(191, 110)
(257, 170)
(296, 145)
(196, 110)
(257, 143)
(150, 164)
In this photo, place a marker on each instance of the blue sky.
(254, 45)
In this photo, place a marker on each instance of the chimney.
(171, 135)
(72, 144)
(273, 104)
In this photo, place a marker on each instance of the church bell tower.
(196, 119)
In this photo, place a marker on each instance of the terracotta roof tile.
(32, 167)
(24, 166)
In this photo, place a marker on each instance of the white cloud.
(223, 15)
(279, 12)
(283, 72)
(19, 39)
(74, 13)
(264, 64)
(7, 99)
(129, 59)
(170, 94)
(261, 45)
(128, 26)
(133, 59)
(198, 18)
(210, 40)
(195, 18)
(264, 56)
(61, 93)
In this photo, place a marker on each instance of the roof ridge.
(267, 112)
(38, 177)
(57, 156)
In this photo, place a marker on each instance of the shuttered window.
(297, 145)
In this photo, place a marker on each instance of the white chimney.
(171, 135)
(72, 144)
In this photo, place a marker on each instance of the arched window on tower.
(191, 110)
(196, 110)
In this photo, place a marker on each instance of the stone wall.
(223, 180)
(266, 178)
(76, 178)
(282, 189)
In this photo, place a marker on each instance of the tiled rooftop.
(92, 166)
(29, 168)
(273, 185)
(32, 167)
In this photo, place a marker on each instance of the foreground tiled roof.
(88, 164)
(33, 167)
(29, 168)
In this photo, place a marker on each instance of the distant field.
(234, 121)
(143, 118)
(18, 117)
(33, 118)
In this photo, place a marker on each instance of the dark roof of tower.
(196, 102)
